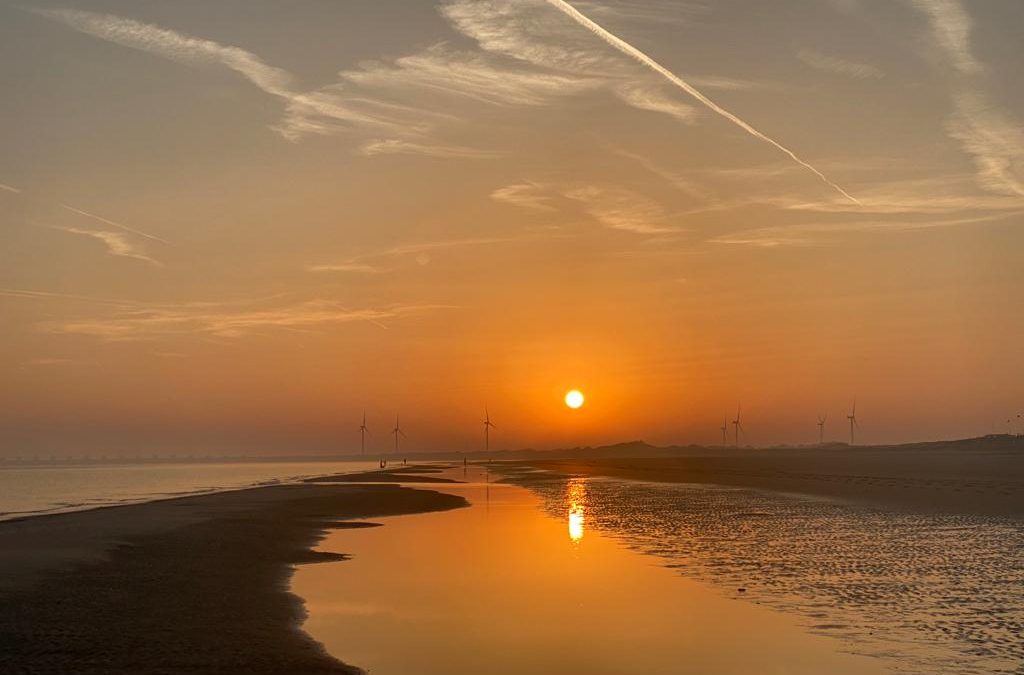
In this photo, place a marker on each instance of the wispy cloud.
(996, 143)
(622, 209)
(654, 12)
(524, 31)
(903, 191)
(215, 320)
(9, 188)
(399, 104)
(824, 234)
(525, 195)
(676, 179)
(363, 268)
(983, 131)
(49, 295)
(615, 207)
(443, 70)
(950, 26)
(839, 66)
(173, 45)
(376, 261)
(51, 362)
(643, 96)
(305, 112)
(724, 83)
(404, 98)
(117, 243)
(926, 196)
(396, 146)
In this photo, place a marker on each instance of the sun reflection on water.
(576, 498)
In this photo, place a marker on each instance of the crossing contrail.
(118, 225)
(631, 51)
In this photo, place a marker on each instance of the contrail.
(119, 225)
(631, 51)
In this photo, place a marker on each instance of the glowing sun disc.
(574, 399)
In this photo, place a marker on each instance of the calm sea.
(26, 491)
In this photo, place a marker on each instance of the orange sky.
(232, 229)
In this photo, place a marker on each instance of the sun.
(574, 399)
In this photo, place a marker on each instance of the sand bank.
(197, 584)
(401, 474)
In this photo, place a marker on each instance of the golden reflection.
(576, 497)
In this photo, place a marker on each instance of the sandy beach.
(196, 584)
(934, 478)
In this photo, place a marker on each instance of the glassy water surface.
(26, 491)
(506, 587)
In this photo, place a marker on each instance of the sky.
(231, 227)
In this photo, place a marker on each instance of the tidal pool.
(502, 587)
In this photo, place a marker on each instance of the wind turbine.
(487, 431)
(821, 428)
(397, 431)
(363, 430)
(724, 429)
(736, 426)
(853, 420)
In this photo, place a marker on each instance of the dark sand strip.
(402, 474)
(933, 481)
(191, 585)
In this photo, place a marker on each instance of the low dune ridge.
(197, 584)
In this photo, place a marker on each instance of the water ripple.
(931, 593)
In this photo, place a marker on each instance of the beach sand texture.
(197, 584)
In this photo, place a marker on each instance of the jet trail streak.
(631, 51)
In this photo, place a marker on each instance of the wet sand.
(934, 480)
(419, 473)
(197, 584)
(924, 578)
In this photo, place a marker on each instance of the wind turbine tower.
(725, 430)
(737, 427)
(487, 432)
(821, 429)
(853, 420)
(397, 431)
(363, 430)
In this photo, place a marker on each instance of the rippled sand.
(928, 593)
